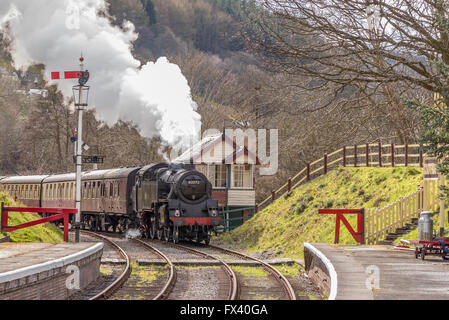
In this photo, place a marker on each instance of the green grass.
(46, 232)
(283, 227)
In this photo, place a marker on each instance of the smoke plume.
(155, 95)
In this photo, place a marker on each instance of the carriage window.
(85, 191)
(94, 190)
(111, 189)
(118, 189)
(25, 196)
(89, 190)
(36, 192)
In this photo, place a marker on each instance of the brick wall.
(317, 271)
(51, 284)
(219, 195)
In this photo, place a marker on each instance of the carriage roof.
(23, 179)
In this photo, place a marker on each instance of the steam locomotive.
(165, 201)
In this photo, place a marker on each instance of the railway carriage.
(25, 189)
(58, 191)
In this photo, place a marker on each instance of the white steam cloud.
(156, 95)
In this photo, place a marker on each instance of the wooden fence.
(379, 222)
(368, 155)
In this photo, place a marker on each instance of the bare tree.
(381, 48)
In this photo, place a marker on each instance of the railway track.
(280, 278)
(191, 278)
(201, 249)
(119, 288)
(233, 284)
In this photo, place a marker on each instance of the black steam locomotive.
(167, 201)
(174, 202)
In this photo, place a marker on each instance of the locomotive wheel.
(152, 231)
(207, 240)
(175, 234)
(160, 234)
(167, 234)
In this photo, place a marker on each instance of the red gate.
(358, 236)
(60, 213)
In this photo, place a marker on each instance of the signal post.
(80, 94)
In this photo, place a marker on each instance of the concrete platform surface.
(15, 256)
(10, 249)
(384, 273)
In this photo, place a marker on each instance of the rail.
(275, 272)
(109, 291)
(165, 291)
(367, 155)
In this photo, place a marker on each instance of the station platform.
(350, 272)
(46, 271)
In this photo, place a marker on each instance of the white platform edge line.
(330, 268)
(56, 263)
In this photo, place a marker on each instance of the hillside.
(281, 228)
(41, 233)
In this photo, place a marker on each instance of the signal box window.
(242, 176)
(216, 174)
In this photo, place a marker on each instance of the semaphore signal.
(80, 93)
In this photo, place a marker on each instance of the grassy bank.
(41, 233)
(283, 227)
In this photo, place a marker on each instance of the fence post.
(392, 154)
(355, 156)
(380, 154)
(256, 208)
(273, 196)
(406, 154)
(420, 157)
(1, 217)
(308, 172)
(344, 156)
(362, 226)
(289, 185)
(325, 163)
(66, 227)
(367, 154)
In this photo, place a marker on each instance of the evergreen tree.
(434, 135)
(148, 5)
